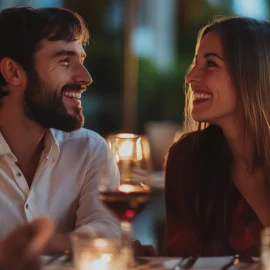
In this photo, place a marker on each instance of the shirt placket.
(29, 206)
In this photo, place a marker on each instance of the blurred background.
(138, 56)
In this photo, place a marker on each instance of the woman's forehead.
(210, 43)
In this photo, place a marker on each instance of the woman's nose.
(193, 75)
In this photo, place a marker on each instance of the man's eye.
(65, 62)
(210, 63)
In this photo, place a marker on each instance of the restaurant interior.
(138, 55)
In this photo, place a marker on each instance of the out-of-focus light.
(46, 3)
(214, 2)
(143, 42)
(257, 9)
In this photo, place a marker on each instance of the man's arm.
(91, 212)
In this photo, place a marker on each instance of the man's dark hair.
(23, 28)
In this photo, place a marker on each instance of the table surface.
(169, 263)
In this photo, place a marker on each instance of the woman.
(218, 174)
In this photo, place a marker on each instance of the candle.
(125, 149)
(98, 253)
(102, 263)
(132, 153)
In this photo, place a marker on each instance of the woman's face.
(214, 97)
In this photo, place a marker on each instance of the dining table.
(170, 263)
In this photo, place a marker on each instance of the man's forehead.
(52, 47)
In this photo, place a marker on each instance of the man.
(49, 165)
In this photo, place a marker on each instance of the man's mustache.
(75, 86)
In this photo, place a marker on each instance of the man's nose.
(83, 76)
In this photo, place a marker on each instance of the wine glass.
(132, 154)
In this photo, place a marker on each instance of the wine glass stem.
(126, 227)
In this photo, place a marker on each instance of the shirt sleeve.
(181, 236)
(91, 213)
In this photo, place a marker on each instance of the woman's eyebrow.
(206, 55)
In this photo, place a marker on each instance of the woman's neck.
(240, 142)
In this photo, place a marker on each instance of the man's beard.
(44, 105)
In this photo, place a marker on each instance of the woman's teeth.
(201, 96)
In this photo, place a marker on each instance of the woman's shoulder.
(190, 142)
(182, 149)
(185, 142)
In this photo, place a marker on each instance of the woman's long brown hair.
(246, 45)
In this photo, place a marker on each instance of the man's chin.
(69, 123)
(70, 126)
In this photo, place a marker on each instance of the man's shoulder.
(78, 137)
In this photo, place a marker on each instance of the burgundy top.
(182, 240)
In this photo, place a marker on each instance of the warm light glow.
(125, 149)
(101, 243)
(139, 148)
(126, 135)
(102, 263)
(132, 154)
(126, 188)
(145, 187)
(99, 264)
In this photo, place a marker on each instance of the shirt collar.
(51, 146)
(4, 148)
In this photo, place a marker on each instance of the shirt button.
(19, 174)
(27, 206)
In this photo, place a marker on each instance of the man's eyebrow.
(213, 54)
(67, 53)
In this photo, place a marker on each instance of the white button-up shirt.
(65, 185)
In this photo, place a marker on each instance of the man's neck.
(25, 139)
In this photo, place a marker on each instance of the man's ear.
(12, 72)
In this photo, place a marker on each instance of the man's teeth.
(201, 96)
(72, 95)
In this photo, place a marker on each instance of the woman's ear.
(11, 71)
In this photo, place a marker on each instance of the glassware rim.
(126, 136)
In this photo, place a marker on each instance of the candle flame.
(125, 149)
(126, 188)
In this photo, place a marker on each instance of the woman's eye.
(210, 63)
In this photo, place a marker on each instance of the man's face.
(55, 84)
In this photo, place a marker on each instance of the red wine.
(125, 205)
